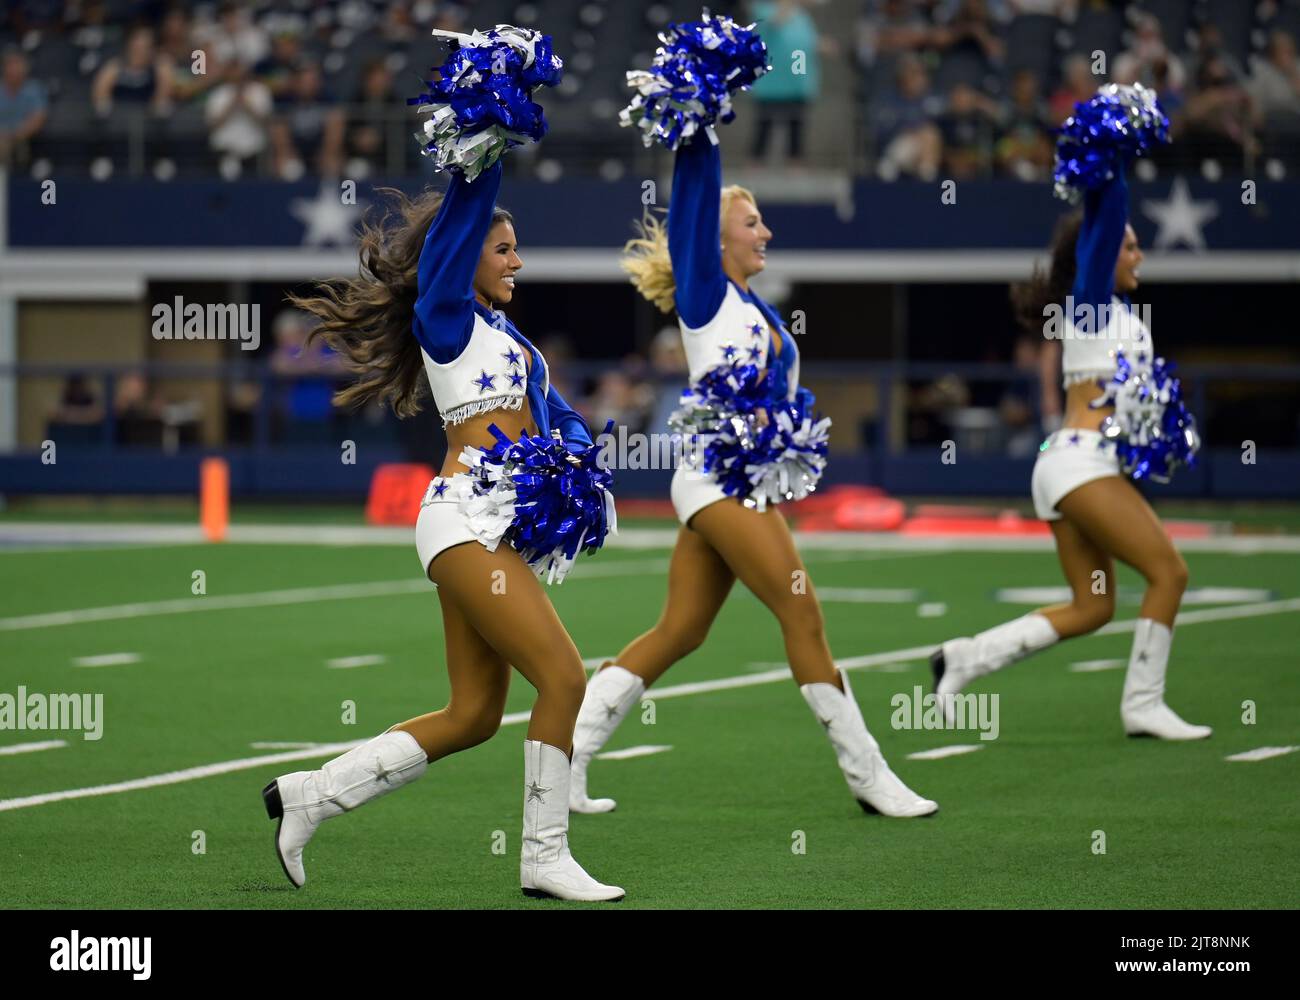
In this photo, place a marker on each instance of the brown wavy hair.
(1030, 298)
(367, 319)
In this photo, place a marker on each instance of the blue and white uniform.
(721, 324)
(1071, 457)
(476, 360)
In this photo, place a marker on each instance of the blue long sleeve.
(1105, 214)
(563, 416)
(694, 231)
(444, 310)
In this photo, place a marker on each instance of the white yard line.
(1262, 753)
(107, 660)
(630, 752)
(18, 748)
(1096, 666)
(676, 691)
(351, 662)
(938, 753)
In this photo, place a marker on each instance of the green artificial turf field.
(714, 822)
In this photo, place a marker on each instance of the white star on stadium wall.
(325, 218)
(1180, 219)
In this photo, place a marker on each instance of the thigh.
(480, 676)
(699, 580)
(502, 600)
(757, 547)
(1080, 558)
(1112, 514)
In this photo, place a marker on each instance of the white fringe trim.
(459, 414)
(1091, 375)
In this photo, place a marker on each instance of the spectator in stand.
(238, 115)
(1077, 85)
(308, 372)
(141, 77)
(233, 37)
(910, 141)
(1275, 78)
(668, 370)
(308, 129)
(279, 69)
(620, 398)
(888, 29)
(368, 121)
(967, 126)
(970, 29)
(1208, 45)
(177, 49)
(22, 109)
(784, 94)
(1220, 117)
(1025, 148)
(78, 403)
(1136, 65)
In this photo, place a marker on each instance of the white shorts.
(441, 523)
(1066, 460)
(692, 491)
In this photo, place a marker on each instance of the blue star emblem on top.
(728, 351)
(485, 382)
(755, 329)
(439, 488)
(516, 379)
(755, 354)
(512, 357)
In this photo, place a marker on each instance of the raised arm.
(1105, 214)
(569, 423)
(694, 231)
(444, 310)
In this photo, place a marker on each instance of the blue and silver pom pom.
(481, 105)
(1152, 430)
(759, 449)
(549, 501)
(1104, 133)
(690, 82)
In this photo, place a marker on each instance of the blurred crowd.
(967, 88)
(952, 88)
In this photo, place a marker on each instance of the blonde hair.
(646, 258)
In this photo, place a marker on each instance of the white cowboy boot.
(1143, 709)
(301, 801)
(611, 693)
(959, 661)
(546, 868)
(874, 785)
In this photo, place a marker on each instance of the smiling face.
(1128, 264)
(744, 238)
(494, 281)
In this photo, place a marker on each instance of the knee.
(800, 616)
(565, 687)
(1171, 573)
(1094, 610)
(685, 637)
(476, 724)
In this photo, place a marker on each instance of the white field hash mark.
(107, 660)
(680, 690)
(940, 752)
(1261, 753)
(1095, 666)
(348, 662)
(18, 748)
(630, 752)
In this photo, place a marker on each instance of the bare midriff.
(1078, 413)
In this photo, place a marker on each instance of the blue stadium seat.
(1031, 44)
(1098, 28)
